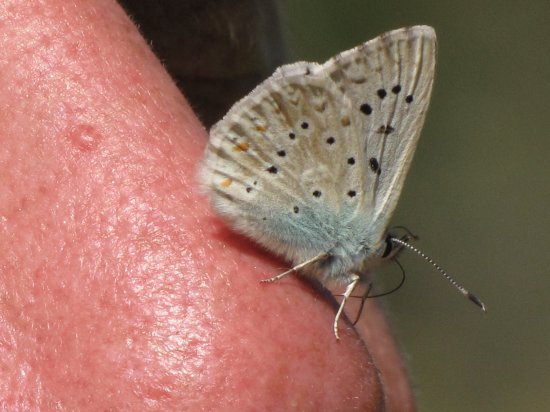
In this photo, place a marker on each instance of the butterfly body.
(311, 163)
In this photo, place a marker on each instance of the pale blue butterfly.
(312, 162)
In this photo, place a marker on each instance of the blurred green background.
(478, 194)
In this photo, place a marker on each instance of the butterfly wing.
(389, 80)
(302, 163)
(283, 166)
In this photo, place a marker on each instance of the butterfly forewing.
(389, 81)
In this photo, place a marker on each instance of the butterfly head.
(386, 249)
(390, 250)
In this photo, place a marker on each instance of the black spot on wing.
(374, 165)
(365, 109)
(386, 129)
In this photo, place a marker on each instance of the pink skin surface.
(119, 288)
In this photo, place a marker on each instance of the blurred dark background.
(478, 193)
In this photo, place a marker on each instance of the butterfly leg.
(296, 268)
(363, 300)
(349, 290)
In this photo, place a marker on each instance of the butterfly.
(312, 162)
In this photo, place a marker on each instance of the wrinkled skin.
(119, 288)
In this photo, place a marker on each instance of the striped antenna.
(462, 289)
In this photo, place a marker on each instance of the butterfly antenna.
(462, 289)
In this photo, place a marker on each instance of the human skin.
(119, 288)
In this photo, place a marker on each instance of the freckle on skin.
(85, 137)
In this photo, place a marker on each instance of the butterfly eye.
(389, 247)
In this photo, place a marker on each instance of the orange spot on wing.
(241, 147)
(261, 128)
(345, 121)
(225, 183)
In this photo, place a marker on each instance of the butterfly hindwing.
(284, 163)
